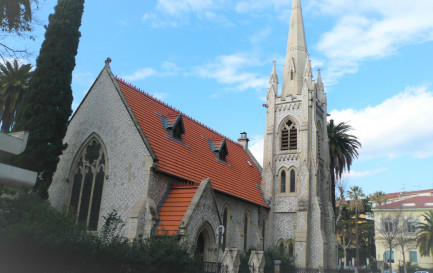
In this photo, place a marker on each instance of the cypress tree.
(46, 107)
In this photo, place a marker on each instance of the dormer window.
(174, 125)
(219, 148)
(289, 136)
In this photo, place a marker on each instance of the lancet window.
(292, 181)
(87, 183)
(283, 181)
(289, 136)
(246, 229)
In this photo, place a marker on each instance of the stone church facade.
(165, 173)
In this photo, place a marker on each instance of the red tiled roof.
(174, 208)
(417, 202)
(193, 160)
(407, 193)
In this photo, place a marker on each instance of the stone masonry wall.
(103, 113)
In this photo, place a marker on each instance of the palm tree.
(424, 239)
(14, 80)
(343, 148)
(356, 204)
(379, 197)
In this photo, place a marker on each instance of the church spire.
(319, 76)
(296, 54)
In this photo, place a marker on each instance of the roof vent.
(408, 204)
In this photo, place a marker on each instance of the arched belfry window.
(289, 136)
(292, 180)
(283, 181)
(87, 183)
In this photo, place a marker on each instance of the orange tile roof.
(408, 193)
(174, 208)
(417, 202)
(193, 159)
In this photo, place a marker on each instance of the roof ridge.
(173, 108)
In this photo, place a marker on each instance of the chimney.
(243, 140)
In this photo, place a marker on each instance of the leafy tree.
(16, 17)
(343, 148)
(379, 198)
(356, 204)
(14, 80)
(46, 107)
(425, 235)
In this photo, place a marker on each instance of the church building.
(165, 173)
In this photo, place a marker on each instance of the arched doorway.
(205, 243)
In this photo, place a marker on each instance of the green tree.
(343, 148)
(14, 80)
(46, 107)
(16, 17)
(356, 204)
(424, 239)
(379, 198)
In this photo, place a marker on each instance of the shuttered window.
(289, 136)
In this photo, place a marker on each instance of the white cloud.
(401, 125)
(158, 22)
(140, 74)
(256, 147)
(179, 7)
(373, 29)
(83, 78)
(230, 70)
(173, 13)
(358, 174)
(167, 69)
(246, 6)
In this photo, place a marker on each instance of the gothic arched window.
(292, 181)
(88, 181)
(263, 232)
(246, 227)
(289, 136)
(283, 181)
(226, 218)
(291, 248)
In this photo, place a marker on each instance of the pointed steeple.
(319, 76)
(296, 54)
(273, 82)
(274, 77)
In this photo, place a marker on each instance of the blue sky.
(211, 59)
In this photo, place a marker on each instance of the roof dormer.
(219, 148)
(174, 125)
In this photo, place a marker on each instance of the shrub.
(34, 237)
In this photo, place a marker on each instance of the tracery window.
(292, 181)
(283, 181)
(88, 181)
(289, 136)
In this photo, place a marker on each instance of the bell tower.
(296, 176)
